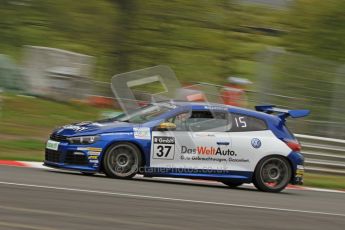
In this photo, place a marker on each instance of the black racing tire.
(122, 160)
(232, 184)
(272, 174)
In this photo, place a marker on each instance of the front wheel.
(122, 160)
(272, 174)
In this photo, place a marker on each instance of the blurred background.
(57, 58)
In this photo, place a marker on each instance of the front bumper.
(74, 157)
(70, 167)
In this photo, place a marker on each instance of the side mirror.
(165, 126)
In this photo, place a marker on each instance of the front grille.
(57, 137)
(52, 155)
(75, 159)
(69, 158)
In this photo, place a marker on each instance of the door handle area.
(203, 135)
(223, 143)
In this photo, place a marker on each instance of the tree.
(317, 27)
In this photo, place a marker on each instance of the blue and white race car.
(185, 139)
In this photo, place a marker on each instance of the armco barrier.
(323, 155)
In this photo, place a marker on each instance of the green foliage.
(34, 117)
(84, 27)
(201, 40)
(26, 123)
(317, 27)
(25, 144)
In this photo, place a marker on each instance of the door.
(201, 141)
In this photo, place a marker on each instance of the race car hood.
(92, 128)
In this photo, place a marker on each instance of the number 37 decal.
(163, 148)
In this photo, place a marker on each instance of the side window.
(202, 121)
(180, 121)
(241, 123)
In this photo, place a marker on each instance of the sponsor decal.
(204, 134)
(256, 143)
(163, 148)
(142, 133)
(300, 171)
(215, 154)
(198, 158)
(93, 161)
(83, 148)
(117, 133)
(92, 149)
(93, 153)
(164, 140)
(238, 160)
(215, 107)
(76, 128)
(53, 145)
(203, 150)
(93, 157)
(300, 167)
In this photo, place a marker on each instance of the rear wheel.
(232, 184)
(272, 174)
(122, 160)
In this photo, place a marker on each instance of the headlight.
(84, 140)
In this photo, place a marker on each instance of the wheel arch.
(143, 163)
(291, 164)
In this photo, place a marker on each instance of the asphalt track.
(40, 199)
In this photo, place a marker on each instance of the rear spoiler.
(282, 113)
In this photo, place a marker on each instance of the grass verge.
(26, 122)
(324, 181)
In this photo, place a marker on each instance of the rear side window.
(243, 123)
(209, 121)
(202, 121)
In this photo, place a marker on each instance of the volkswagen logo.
(256, 143)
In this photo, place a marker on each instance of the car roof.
(218, 106)
(192, 103)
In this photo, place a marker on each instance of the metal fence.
(323, 155)
(299, 81)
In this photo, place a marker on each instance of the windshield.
(132, 88)
(143, 114)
